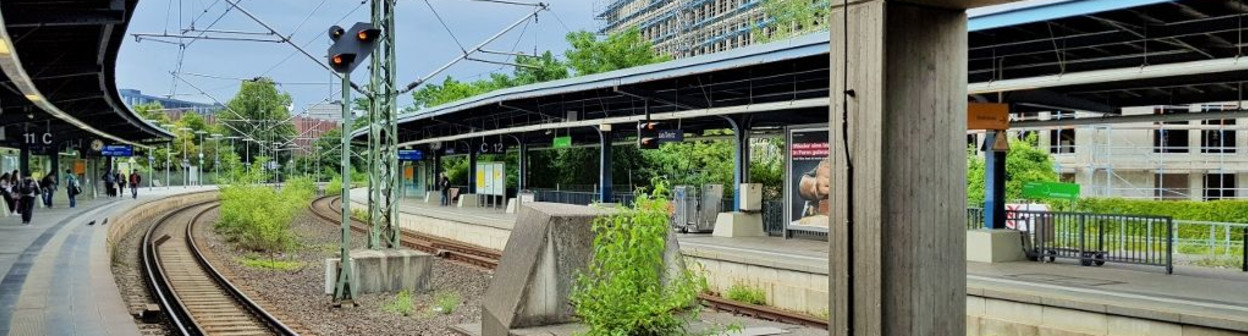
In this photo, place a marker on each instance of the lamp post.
(168, 156)
(186, 163)
(216, 160)
(199, 170)
(247, 159)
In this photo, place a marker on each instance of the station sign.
(987, 116)
(492, 148)
(411, 155)
(562, 142)
(1047, 190)
(117, 150)
(671, 135)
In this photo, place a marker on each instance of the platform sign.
(480, 177)
(987, 116)
(562, 142)
(500, 180)
(411, 155)
(1049, 190)
(809, 174)
(117, 150)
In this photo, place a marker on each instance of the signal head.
(368, 35)
(335, 32)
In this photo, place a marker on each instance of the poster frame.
(789, 174)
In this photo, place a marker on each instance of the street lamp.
(216, 161)
(168, 156)
(247, 159)
(186, 163)
(199, 170)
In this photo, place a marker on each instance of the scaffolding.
(684, 28)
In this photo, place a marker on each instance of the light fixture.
(34, 98)
(4, 48)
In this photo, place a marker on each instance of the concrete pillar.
(1196, 183)
(994, 184)
(897, 263)
(55, 158)
(23, 159)
(472, 170)
(604, 167)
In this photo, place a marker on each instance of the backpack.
(135, 179)
(28, 188)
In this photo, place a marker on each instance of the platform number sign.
(34, 138)
(492, 148)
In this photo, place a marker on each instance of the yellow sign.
(987, 116)
(480, 177)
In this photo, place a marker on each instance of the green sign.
(1037, 190)
(562, 142)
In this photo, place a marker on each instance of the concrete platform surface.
(57, 276)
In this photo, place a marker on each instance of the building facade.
(1181, 160)
(308, 129)
(134, 97)
(682, 28)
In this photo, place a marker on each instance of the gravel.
(299, 297)
(128, 274)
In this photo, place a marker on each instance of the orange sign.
(408, 172)
(987, 116)
(80, 167)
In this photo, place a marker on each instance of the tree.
(792, 18)
(1025, 162)
(258, 111)
(621, 50)
(539, 69)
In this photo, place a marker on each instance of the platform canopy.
(58, 60)
(1092, 55)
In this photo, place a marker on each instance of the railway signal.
(359, 42)
(648, 135)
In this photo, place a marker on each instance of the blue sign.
(411, 155)
(117, 150)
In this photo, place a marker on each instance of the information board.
(411, 155)
(500, 180)
(117, 150)
(808, 179)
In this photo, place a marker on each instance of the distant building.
(134, 97)
(308, 130)
(683, 28)
(325, 111)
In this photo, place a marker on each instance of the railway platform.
(794, 274)
(57, 278)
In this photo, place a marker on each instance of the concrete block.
(468, 201)
(389, 270)
(994, 246)
(1075, 321)
(1191, 330)
(739, 224)
(511, 205)
(1126, 326)
(549, 245)
(1013, 311)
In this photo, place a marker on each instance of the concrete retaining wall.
(786, 289)
(994, 316)
(121, 223)
(480, 235)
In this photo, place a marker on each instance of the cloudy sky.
(423, 44)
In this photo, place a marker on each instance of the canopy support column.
(994, 183)
(604, 167)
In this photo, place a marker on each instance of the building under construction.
(685, 28)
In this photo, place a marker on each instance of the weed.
(402, 304)
(256, 262)
(742, 292)
(446, 302)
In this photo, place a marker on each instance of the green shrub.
(402, 304)
(360, 214)
(334, 187)
(624, 290)
(258, 218)
(741, 292)
(446, 302)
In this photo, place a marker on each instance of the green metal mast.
(344, 291)
(383, 181)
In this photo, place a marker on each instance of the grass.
(741, 292)
(257, 262)
(402, 304)
(1219, 262)
(446, 303)
(360, 214)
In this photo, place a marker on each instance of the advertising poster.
(809, 175)
(480, 177)
(500, 180)
(487, 176)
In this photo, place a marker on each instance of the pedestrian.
(445, 185)
(72, 188)
(6, 192)
(16, 180)
(121, 183)
(135, 180)
(28, 190)
(109, 179)
(47, 187)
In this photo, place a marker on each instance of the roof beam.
(670, 99)
(67, 17)
(1111, 75)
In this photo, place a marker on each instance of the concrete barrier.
(122, 222)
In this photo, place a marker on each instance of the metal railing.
(1095, 239)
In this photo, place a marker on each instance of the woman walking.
(28, 190)
(6, 192)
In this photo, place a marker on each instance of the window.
(1217, 140)
(1219, 186)
(1067, 177)
(1171, 187)
(1169, 140)
(1062, 140)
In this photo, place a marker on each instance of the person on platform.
(15, 184)
(47, 186)
(72, 188)
(444, 184)
(135, 180)
(28, 190)
(6, 192)
(121, 183)
(109, 180)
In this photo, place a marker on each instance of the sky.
(422, 44)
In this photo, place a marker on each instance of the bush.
(334, 187)
(741, 292)
(258, 218)
(401, 305)
(624, 290)
(446, 302)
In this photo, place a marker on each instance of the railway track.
(328, 208)
(196, 298)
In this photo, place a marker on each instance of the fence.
(1098, 238)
